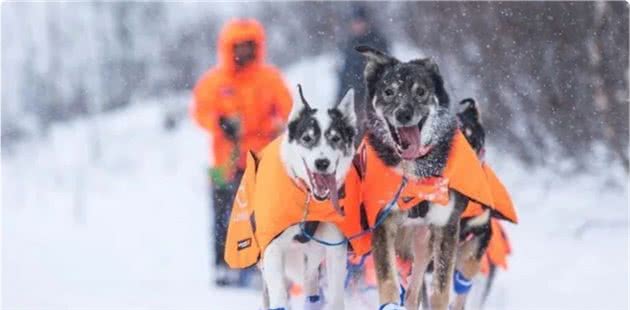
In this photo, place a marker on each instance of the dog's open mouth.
(324, 187)
(409, 140)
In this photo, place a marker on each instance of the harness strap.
(379, 220)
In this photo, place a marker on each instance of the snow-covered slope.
(130, 230)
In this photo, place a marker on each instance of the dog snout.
(404, 115)
(322, 164)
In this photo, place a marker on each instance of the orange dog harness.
(463, 173)
(498, 248)
(499, 245)
(268, 201)
(502, 203)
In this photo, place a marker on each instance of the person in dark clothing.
(222, 197)
(362, 32)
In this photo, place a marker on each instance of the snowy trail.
(136, 238)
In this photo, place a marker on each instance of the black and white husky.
(317, 149)
(411, 126)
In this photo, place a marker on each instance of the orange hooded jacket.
(256, 94)
(268, 201)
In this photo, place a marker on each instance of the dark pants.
(222, 197)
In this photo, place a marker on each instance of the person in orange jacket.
(243, 103)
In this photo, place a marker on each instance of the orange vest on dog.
(463, 173)
(268, 201)
(500, 197)
(498, 248)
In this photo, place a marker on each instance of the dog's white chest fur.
(406, 167)
(437, 214)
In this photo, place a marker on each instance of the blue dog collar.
(460, 283)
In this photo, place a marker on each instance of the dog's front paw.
(315, 302)
(391, 307)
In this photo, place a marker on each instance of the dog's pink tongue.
(320, 185)
(410, 138)
(327, 183)
(334, 195)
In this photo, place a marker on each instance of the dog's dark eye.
(421, 91)
(307, 139)
(388, 92)
(335, 139)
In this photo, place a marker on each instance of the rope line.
(379, 220)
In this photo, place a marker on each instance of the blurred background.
(104, 185)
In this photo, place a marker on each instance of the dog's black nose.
(322, 164)
(404, 115)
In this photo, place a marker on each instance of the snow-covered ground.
(130, 230)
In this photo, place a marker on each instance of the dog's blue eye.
(307, 139)
(389, 92)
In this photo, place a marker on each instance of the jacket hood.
(237, 31)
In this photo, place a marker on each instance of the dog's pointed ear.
(304, 102)
(346, 107)
(299, 105)
(376, 61)
(429, 63)
(432, 65)
(375, 55)
(468, 107)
